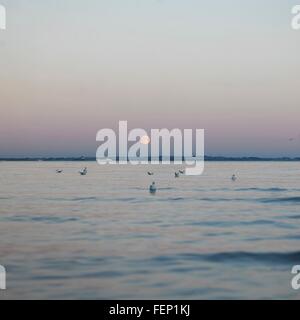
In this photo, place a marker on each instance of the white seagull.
(83, 172)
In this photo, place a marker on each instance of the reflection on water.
(103, 236)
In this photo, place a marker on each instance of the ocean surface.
(103, 236)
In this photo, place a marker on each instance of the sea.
(104, 236)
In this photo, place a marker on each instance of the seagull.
(176, 174)
(83, 172)
(234, 178)
(152, 188)
(150, 173)
(59, 171)
(181, 171)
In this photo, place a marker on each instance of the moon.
(145, 140)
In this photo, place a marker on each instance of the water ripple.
(292, 200)
(235, 256)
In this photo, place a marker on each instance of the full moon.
(145, 140)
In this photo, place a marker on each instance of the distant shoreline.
(207, 158)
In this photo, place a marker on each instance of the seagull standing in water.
(176, 174)
(234, 178)
(152, 188)
(83, 172)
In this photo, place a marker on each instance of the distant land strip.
(206, 158)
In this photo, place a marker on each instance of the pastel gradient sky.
(71, 67)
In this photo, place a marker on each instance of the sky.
(69, 68)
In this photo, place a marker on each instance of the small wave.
(292, 237)
(160, 188)
(72, 199)
(235, 256)
(79, 199)
(282, 200)
(176, 199)
(269, 257)
(223, 199)
(230, 223)
(296, 217)
(263, 189)
(102, 274)
(170, 199)
(124, 199)
(44, 219)
(85, 199)
(218, 234)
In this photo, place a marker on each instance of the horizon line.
(206, 158)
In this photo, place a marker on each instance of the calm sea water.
(103, 236)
